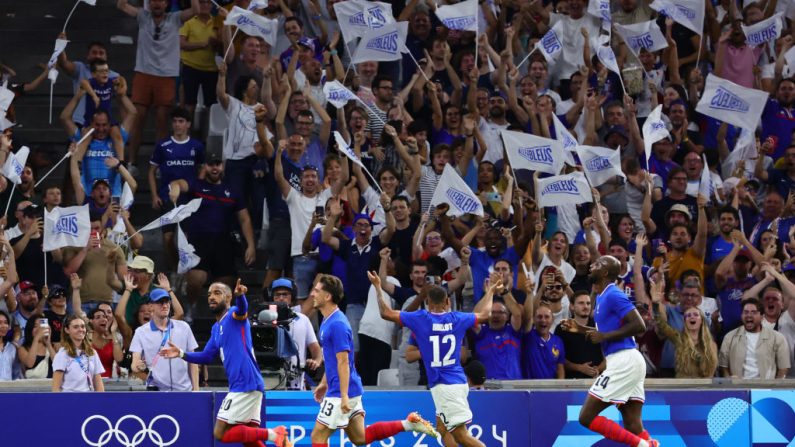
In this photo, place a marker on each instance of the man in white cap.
(142, 269)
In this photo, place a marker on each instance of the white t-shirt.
(709, 306)
(491, 138)
(569, 272)
(372, 325)
(786, 325)
(750, 366)
(303, 335)
(301, 209)
(79, 372)
(572, 41)
(242, 131)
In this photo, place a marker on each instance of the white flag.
(337, 94)
(744, 149)
(125, 202)
(4, 123)
(642, 35)
(654, 130)
(600, 9)
(606, 56)
(15, 164)
(527, 151)
(764, 31)
(257, 4)
(66, 227)
(382, 44)
(705, 183)
(452, 190)
(60, 45)
(564, 189)
(187, 254)
(461, 16)
(688, 13)
(6, 96)
(253, 24)
(90, 2)
(569, 142)
(600, 164)
(176, 215)
(726, 101)
(551, 45)
(356, 17)
(346, 149)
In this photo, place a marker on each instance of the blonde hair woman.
(76, 366)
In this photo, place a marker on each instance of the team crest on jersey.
(227, 193)
(555, 352)
(192, 152)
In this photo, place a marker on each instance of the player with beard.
(238, 418)
(621, 383)
(340, 390)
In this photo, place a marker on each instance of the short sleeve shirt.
(78, 372)
(157, 52)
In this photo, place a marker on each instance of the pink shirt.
(738, 64)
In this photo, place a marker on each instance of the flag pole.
(526, 58)
(10, 196)
(418, 66)
(231, 42)
(70, 15)
(66, 155)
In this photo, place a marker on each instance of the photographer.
(301, 331)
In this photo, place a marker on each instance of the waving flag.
(654, 130)
(176, 215)
(386, 43)
(15, 164)
(356, 17)
(688, 13)
(253, 24)
(705, 182)
(744, 149)
(461, 16)
(6, 96)
(257, 4)
(726, 101)
(125, 202)
(187, 254)
(600, 164)
(551, 44)
(642, 35)
(569, 142)
(606, 55)
(452, 190)
(66, 227)
(600, 9)
(564, 189)
(346, 149)
(60, 45)
(337, 94)
(764, 31)
(90, 2)
(527, 151)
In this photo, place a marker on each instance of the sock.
(315, 444)
(644, 435)
(382, 430)
(613, 431)
(244, 434)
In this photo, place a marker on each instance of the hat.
(31, 211)
(213, 159)
(619, 129)
(142, 263)
(98, 181)
(680, 208)
(475, 372)
(56, 290)
(307, 42)
(158, 295)
(26, 285)
(363, 216)
(744, 253)
(285, 283)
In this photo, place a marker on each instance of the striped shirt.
(428, 183)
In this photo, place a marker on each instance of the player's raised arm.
(240, 301)
(386, 311)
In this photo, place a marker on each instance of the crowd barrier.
(695, 417)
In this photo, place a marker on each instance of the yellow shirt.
(680, 264)
(196, 30)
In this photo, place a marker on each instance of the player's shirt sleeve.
(464, 321)
(620, 304)
(407, 319)
(241, 311)
(338, 336)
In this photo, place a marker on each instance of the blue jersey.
(612, 305)
(439, 338)
(542, 357)
(336, 336)
(176, 160)
(499, 351)
(218, 211)
(93, 165)
(231, 338)
(104, 92)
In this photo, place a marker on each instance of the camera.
(430, 280)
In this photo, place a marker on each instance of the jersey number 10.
(437, 347)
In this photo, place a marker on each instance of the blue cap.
(158, 294)
(307, 42)
(363, 216)
(282, 282)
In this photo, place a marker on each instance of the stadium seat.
(388, 377)
(217, 128)
(393, 364)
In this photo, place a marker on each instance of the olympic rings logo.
(121, 436)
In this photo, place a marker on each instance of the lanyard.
(85, 369)
(166, 338)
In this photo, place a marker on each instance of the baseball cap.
(307, 42)
(31, 211)
(213, 159)
(680, 208)
(26, 285)
(361, 216)
(619, 129)
(98, 181)
(142, 263)
(57, 291)
(285, 283)
(158, 295)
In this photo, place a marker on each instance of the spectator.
(156, 65)
(199, 41)
(283, 291)
(775, 117)
(555, 292)
(149, 339)
(543, 353)
(752, 351)
(696, 352)
(76, 361)
(583, 358)
(781, 179)
(658, 223)
(305, 46)
(28, 306)
(104, 341)
(8, 350)
(23, 192)
(498, 343)
(55, 313)
(733, 277)
(28, 250)
(682, 255)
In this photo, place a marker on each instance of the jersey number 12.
(437, 347)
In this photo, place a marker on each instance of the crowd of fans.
(712, 275)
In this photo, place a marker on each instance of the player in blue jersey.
(439, 334)
(340, 391)
(238, 419)
(621, 383)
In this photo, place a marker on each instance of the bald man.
(617, 322)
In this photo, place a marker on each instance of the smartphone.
(115, 200)
(320, 211)
(43, 322)
(430, 280)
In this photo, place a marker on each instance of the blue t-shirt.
(176, 160)
(336, 336)
(778, 122)
(730, 296)
(357, 263)
(629, 281)
(718, 249)
(326, 254)
(542, 357)
(499, 351)
(218, 211)
(93, 165)
(82, 71)
(612, 305)
(104, 92)
(439, 338)
(480, 263)
(778, 179)
(231, 338)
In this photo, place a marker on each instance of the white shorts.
(622, 380)
(241, 408)
(332, 416)
(452, 406)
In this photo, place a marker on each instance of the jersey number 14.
(439, 343)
